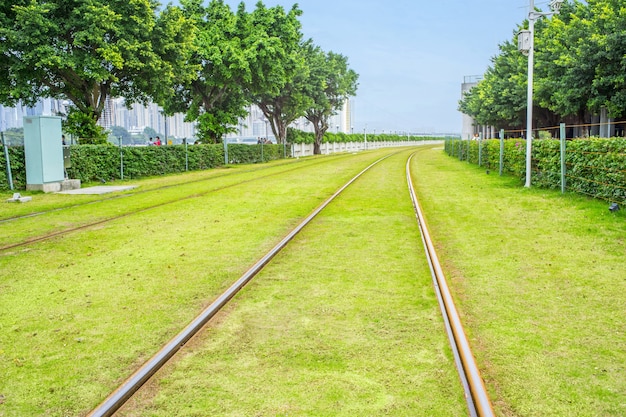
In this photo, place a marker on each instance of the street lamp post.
(527, 43)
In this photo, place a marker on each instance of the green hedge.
(594, 167)
(18, 169)
(102, 162)
(297, 136)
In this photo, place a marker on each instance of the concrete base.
(55, 187)
(70, 185)
(17, 198)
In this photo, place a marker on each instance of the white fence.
(306, 149)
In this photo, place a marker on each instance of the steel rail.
(125, 391)
(51, 235)
(163, 187)
(477, 398)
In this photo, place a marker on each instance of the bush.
(594, 167)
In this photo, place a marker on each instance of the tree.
(119, 132)
(329, 85)
(211, 88)
(565, 68)
(500, 98)
(277, 66)
(82, 50)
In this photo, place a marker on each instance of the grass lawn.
(344, 322)
(541, 280)
(79, 312)
(149, 193)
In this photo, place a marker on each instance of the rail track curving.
(476, 396)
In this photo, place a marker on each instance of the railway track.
(478, 402)
(154, 191)
(136, 192)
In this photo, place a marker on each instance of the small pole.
(8, 162)
(186, 155)
(501, 151)
(563, 167)
(225, 152)
(262, 151)
(121, 159)
(480, 150)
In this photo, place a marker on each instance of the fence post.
(501, 151)
(8, 161)
(563, 168)
(186, 155)
(480, 150)
(225, 152)
(121, 159)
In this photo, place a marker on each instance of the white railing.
(306, 149)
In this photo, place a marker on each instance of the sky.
(411, 55)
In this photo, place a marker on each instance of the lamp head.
(555, 5)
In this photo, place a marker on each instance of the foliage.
(119, 132)
(83, 125)
(215, 68)
(81, 50)
(97, 162)
(500, 98)
(278, 67)
(14, 136)
(329, 85)
(579, 66)
(18, 168)
(594, 167)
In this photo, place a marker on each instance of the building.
(137, 117)
(468, 128)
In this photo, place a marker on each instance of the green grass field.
(539, 279)
(344, 322)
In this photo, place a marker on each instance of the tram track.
(478, 402)
(476, 396)
(135, 193)
(126, 390)
(69, 230)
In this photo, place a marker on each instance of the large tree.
(565, 68)
(278, 67)
(330, 83)
(212, 88)
(81, 50)
(500, 98)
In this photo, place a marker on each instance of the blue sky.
(411, 55)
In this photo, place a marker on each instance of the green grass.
(78, 313)
(344, 322)
(541, 281)
(149, 193)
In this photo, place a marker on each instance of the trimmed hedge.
(102, 162)
(297, 136)
(594, 167)
(18, 169)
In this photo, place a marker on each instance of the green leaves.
(579, 69)
(82, 50)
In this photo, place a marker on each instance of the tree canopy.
(209, 62)
(81, 50)
(579, 70)
(329, 84)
